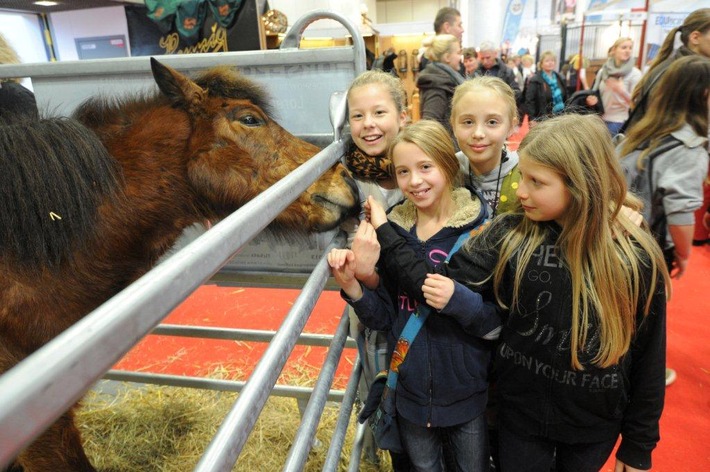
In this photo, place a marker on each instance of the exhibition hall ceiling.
(61, 5)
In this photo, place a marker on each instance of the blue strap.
(416, 320)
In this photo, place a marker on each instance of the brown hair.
(682, 98)
(698, 20)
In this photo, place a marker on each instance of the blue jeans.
(521, 454)
(613, 127)
(467, 445)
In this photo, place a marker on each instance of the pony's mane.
(55, 174)
(222, 81)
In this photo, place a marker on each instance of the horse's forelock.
(228, 83)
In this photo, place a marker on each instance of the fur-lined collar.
(467, 210)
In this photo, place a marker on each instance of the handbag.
(380, 406)
(577, 103)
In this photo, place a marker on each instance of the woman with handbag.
(616, 81)
(546, 92)
(441, 392)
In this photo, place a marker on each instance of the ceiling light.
(46, 3)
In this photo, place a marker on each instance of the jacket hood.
(434, 77)
(468, 209)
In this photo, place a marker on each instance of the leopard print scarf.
(366, 167)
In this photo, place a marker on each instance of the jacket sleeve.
(679, 175)
(477, 317)
(531, 99)
(471, 265)
(639, 430)
(374, 309)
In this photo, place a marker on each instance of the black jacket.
(505, 73)
(538, 96)
(538, 392)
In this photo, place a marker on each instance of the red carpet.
(685, 425)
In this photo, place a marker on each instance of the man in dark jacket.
(490, 64)
(447, 21)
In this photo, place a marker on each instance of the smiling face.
(548, 63)
(418, 176)
(374, 119)
(481, 125)
(542, 192)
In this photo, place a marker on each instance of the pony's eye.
(250, 120)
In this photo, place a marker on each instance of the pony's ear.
(178, 88)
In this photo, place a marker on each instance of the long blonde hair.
(606, 256)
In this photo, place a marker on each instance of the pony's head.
(238, 150)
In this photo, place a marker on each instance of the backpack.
(642, 184)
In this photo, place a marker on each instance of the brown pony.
(81, 217)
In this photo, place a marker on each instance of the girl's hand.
(375, 213)
(680, 264)
(342, 266)
(621, 467)
(366, 249)
(437, 290)
(633, 215)
(591, 100)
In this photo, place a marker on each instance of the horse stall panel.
(300, 83)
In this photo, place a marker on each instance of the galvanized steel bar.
(356, 452)
(301, 446)
(292, 40)
(37, 391)
(332, 459)
(255, 335)
(212, 384)
(229, 441)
